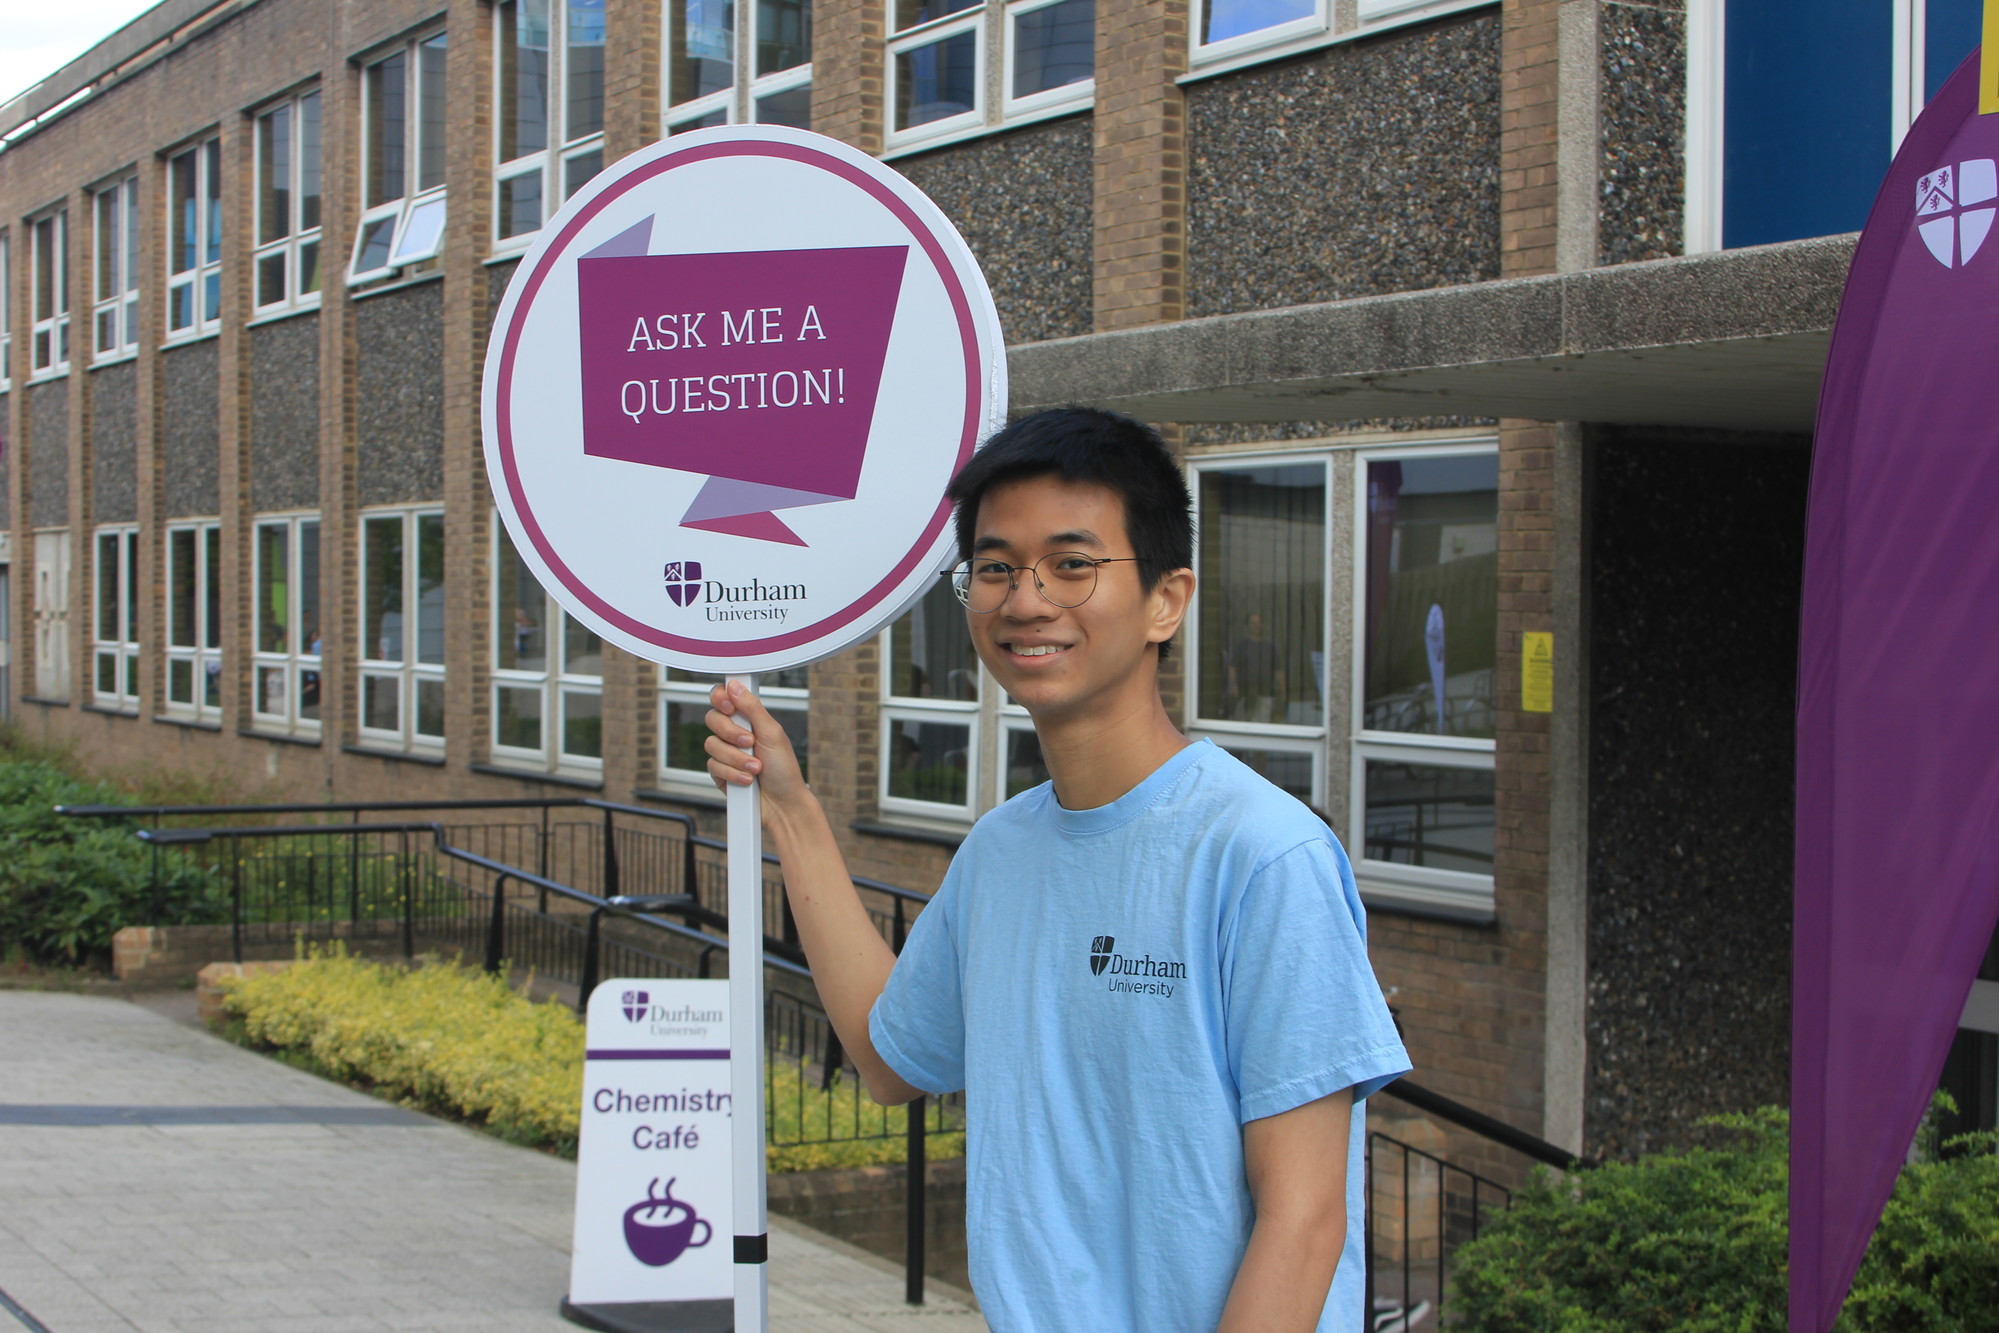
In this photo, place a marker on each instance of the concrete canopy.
(1735, 339)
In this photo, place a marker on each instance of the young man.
(1149, 974)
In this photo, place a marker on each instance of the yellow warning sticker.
(1537, 672)
(1988, 61)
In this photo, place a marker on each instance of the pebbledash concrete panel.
(1365, 168)
(190, 458)
(399, 395)
(114, 443)
(1642, 96)
(284, 415)
(1688, 975)
(1749, 327)
(48, 454)
(1022, 201)
(497, 278)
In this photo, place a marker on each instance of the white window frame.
(978, 20)
(1323, 27)
(1232, 734)
(202, 281)
(555, 681)
(115, 591)
(1062, 98)
(299, 240)
(201, 659)
(415, 218)
(784, 702)
(115, 274)
(990, 718)
(6, 311)
(1420, 886)
(49, 332)
(737, 103)
(408, 675)
(1706, 50)
(559, 150)
(296, 660)
(51, 613)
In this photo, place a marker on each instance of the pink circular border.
(503, 416)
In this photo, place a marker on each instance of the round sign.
(725, 392)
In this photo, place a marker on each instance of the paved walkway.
(155, 1178)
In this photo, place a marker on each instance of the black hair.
(1089, 445)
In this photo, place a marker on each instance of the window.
(683, 703)
(51, 304)
(1426, 629)
(115, 654)
(1228, 33)
(706, 52)
(6, 310)
(548, 674)
(287, 263)
(1259, 632)
(285, 684)
(941, 55)
(402, 160)
(952, 745)
(117, 276)
(194, 240)
(1790, 127)
(194, 621)
(402, 629)
(550, 106)
(52, 614)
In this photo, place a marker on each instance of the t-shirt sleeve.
(918, 1022)
(1305, 1015)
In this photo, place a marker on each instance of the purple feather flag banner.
(1897, 856)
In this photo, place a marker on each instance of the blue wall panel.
(1806, 130)
(1952, 34)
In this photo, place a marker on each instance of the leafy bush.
(68, 885)
(452, 1039)
(442, 1036)
(1696, 1242)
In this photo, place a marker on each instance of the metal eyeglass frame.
(962, 571)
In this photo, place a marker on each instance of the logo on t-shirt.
(1152, 975)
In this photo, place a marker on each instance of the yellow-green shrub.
(442, 1035)
(452, 1038)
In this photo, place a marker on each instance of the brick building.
(1474, 320)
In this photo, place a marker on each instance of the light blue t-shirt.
(1117, 991)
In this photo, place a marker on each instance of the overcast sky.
(39, 37)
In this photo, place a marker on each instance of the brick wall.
(1140, 261)
(848, 79)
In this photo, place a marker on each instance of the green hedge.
(1695, 1242)
(449, 1038)
(68, 885)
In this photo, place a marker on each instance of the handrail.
(779, 954)
(362, 807)
(1457, 1113)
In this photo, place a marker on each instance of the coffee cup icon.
(660, 1228)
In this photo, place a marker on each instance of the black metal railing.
(1421, 1208)
(463, 887)
(572, 918)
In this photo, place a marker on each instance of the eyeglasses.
(1064, 578)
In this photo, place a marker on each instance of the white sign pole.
(724, 395)
(746, 1050)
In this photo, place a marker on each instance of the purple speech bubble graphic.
(720, 364)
